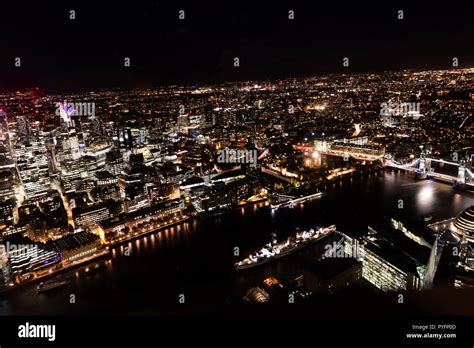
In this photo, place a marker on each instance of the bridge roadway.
(413, 167)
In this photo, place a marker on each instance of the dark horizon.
(85, 89)
(62, 55)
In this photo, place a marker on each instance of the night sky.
(59, 54)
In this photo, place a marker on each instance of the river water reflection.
(195, 258)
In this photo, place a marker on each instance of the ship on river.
(52, 284)
(273, 251)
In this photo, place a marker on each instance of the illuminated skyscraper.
(32, 165)
(5, 140)
(70, 145)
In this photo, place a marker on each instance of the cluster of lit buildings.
(146, 158)
(395, 256)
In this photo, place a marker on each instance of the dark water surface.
(195, 258)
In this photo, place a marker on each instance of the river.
(195, 258)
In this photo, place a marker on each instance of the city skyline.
(107, 167)
(304, 164)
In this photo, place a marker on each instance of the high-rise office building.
(32, 165)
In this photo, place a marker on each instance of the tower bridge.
(423, 169)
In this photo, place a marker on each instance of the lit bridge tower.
(421, 172)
